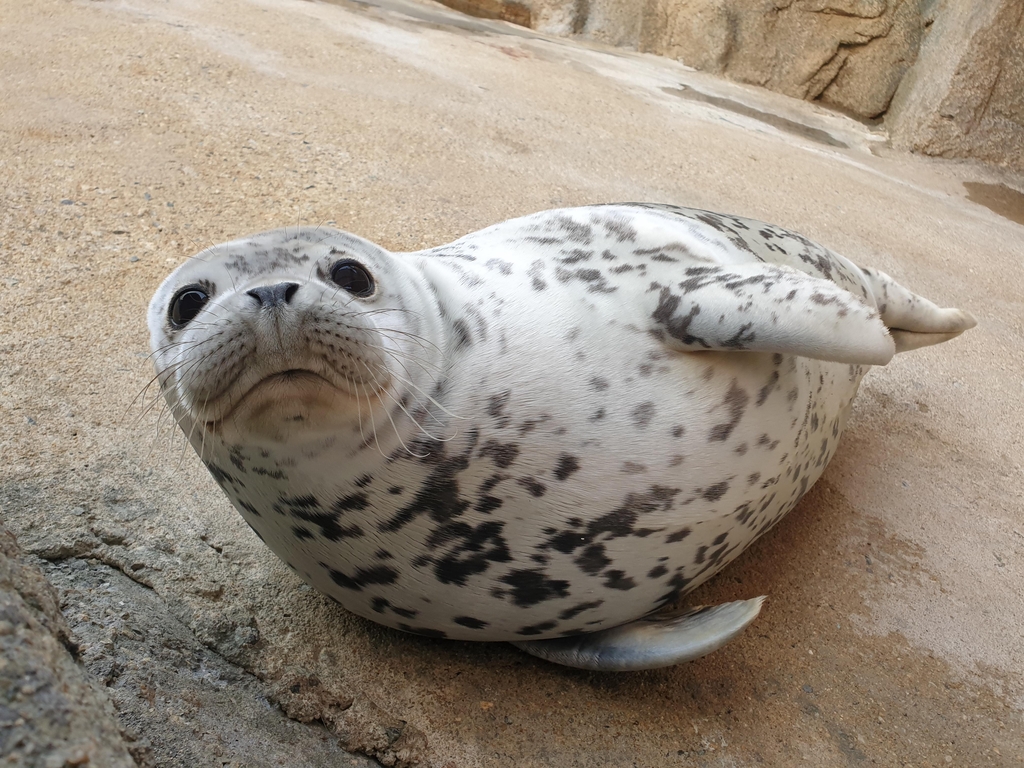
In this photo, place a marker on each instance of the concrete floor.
(135, 133)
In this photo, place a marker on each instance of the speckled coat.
(552, 426)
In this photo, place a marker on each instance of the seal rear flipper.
(913, 321)
(761, 307)
(908, 340)
(651, 642)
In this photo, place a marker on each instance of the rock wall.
(965, 97)
(946, 75)
(850, 54)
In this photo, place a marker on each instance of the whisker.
(393, 425)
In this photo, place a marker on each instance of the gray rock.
(52, 714)
(195, 708)
(171, 601)
(965, 97)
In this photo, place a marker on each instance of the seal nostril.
(274, 295)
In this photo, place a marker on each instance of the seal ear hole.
(353, 277)
(186, 304)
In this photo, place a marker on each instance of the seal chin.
(284, 407)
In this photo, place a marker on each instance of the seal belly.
(555, 522)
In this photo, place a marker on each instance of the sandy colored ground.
(134, 133)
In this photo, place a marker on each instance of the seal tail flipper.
(912, 320)
(651, 642)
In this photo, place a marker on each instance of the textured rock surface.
(847, 53)
(966, 96)
(953, 72)
(850, 54)
(189, 705)
(137, 132)
(52, 713)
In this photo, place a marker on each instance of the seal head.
(285, 336)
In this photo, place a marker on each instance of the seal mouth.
(275, 389)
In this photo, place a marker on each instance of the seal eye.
(186, 304)
(353, 277)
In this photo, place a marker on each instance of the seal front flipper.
(761, 307)
(658, 640)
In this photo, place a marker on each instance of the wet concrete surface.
(138, 132)
(783, 123)
(999, 198)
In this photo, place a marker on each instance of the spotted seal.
(542, 432)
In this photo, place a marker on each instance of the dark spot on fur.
(678, 535)
(657, 572)
(593, 560)
(471, 549)
(766, 390)
(530, 587)
(537, 629)
(576, 610)
(574, 255)
(488, 504)
(308, 509)
(618, 580)
(566, 466)
(470, 622)
(499, 264)
(678, 584)
(534, 486)
(619, 228)
(248, 507)
(616, 524)
(462, 337)
(496, 408)
(736, 400)
(678, 326)
(716, 491)
(502, 454)
(643, 414)
(438, 495)
(378, 574)
(222, 477)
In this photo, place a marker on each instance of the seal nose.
(274, 295)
